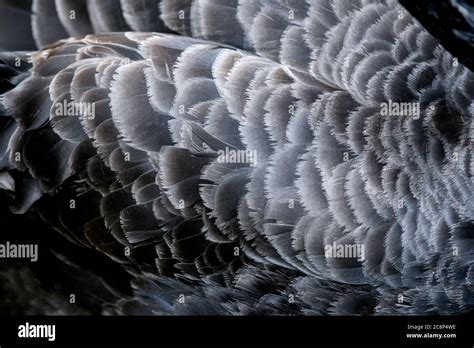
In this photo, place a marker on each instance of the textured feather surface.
(236, 171)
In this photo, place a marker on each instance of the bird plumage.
(293, 91)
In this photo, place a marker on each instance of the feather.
(302, 94)
(74, 17)
(142, 15)
(106, 16)
(141, 134)
(47, 27)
